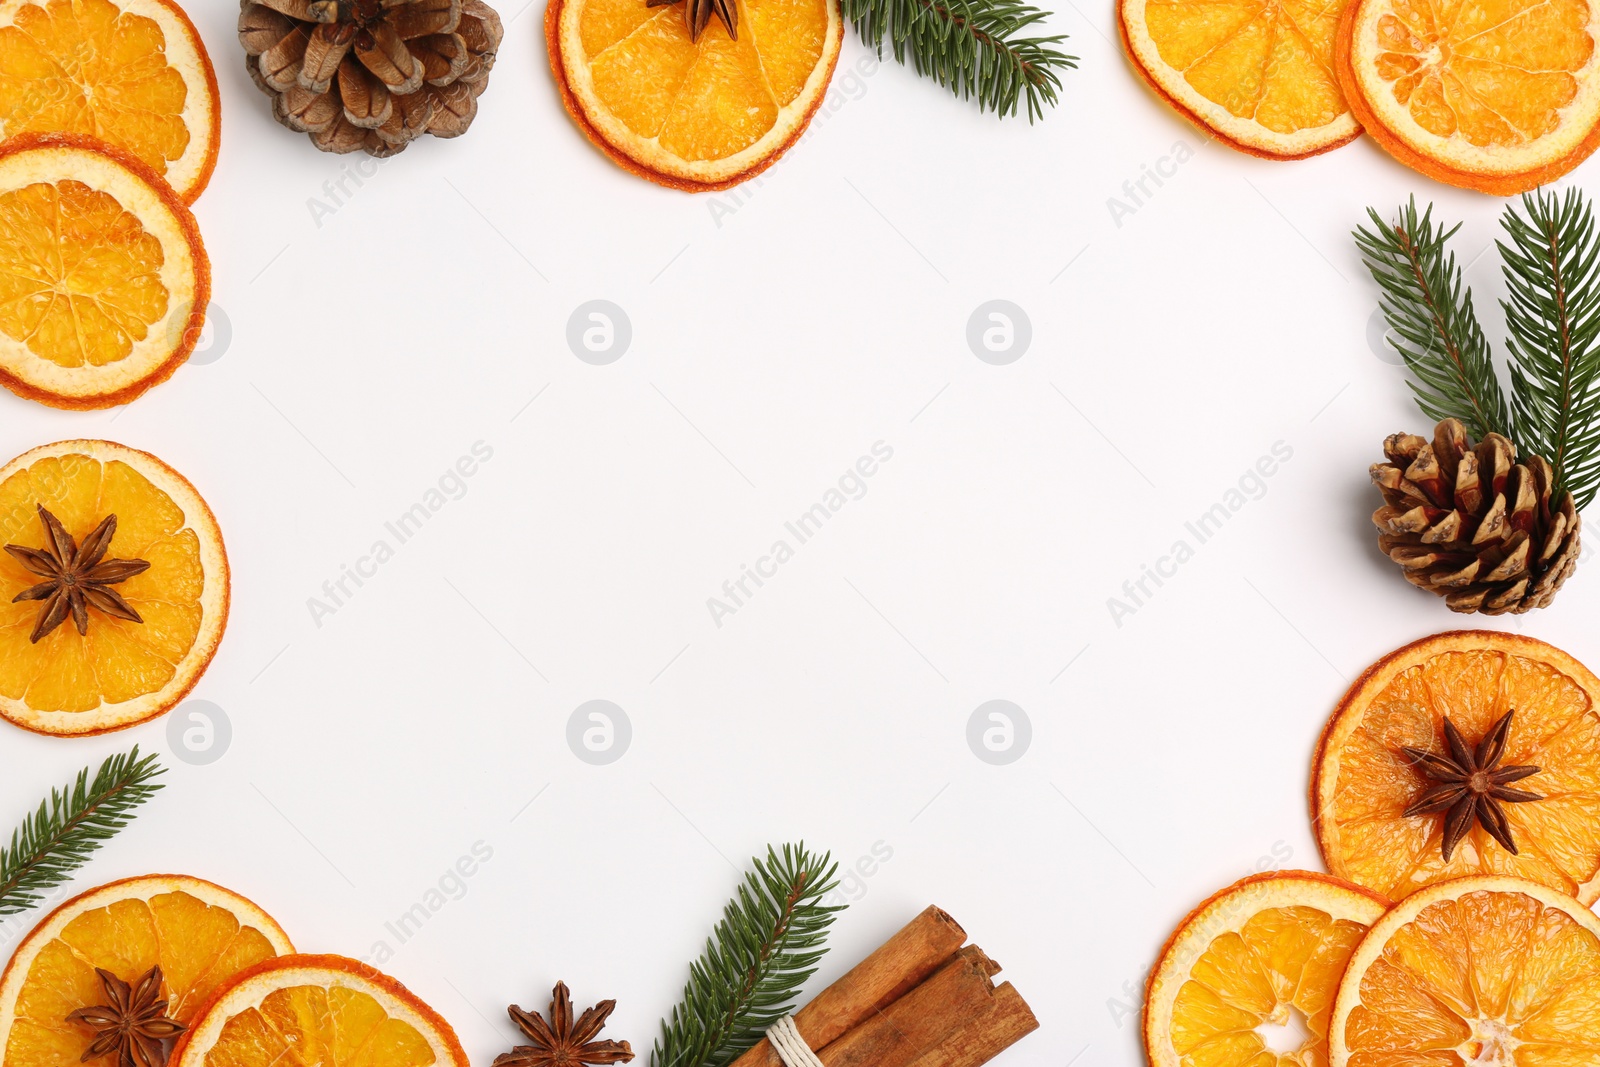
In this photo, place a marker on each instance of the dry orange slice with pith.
(132, 73)
(693, 113)
(103, 278)
(324, 1010)
(1258, 74)
(1364, 781)
(1477, 972)
(1486, 94)
(1249, 978)
(200, 935)
(118, 671)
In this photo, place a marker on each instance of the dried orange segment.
(132, 73)
(694, 114)
(119, 672)
(199, 934)
(1363, 782)
(1483, 971)
(324, 1010)
(1257, 73)
(1496, 95)
(1249, 978)
(103, 279)
(106, 295)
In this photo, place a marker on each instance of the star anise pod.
(133, 1024)
(1472, 785)
(77, 577)
(697, 15)
(561, 1042)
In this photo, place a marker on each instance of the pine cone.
(370, 74)
(1471, 524)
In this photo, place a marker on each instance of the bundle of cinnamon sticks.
(921, 1000)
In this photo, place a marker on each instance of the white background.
(776, 336)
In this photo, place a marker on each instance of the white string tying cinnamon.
(790, 1046)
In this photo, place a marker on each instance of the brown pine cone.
(370, 74)
(1471, 524)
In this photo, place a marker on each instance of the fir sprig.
(1431, 313)
(1552, 269)
(767, 945)
(975, 48)
(1551, 263)
(70, 825)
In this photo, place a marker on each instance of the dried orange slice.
(120, 672)
(199, 934)
(132, 73)
(1495, 95)
(1477, 972)
(1363, 782)
(103, 278)
(323, 1010)
(694, 115)
(1256, 73)
(1248, 979)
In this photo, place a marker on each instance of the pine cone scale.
(1490, 544)
(456, 107)
(305, 111)
(1558, 530)
(1443, 529)
(367, 102)
(324, 52)
(1514, 564)
(422, 18)
(388, 59)
(370, 75)
(444, 57)
(280, 64)
(299, 10)
(260, 28)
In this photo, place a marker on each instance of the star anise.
(1472, 784)
(560, 1042)
(133, 1025)
(77, 577)
(697, 15)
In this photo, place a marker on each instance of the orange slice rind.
(120, 673)
(1487, 972)
(1258, 74)
(323, 1010)
(1257, 962)
(693, 115)
(200, 934)
(1495, 95)
(1362, 782)
(104, 280)
(131, 73)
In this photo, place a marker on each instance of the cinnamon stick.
(899, 965)
(952, 999)
(1007, 1020)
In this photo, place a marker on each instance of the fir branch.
(972, 47)
(1551, 262)
(766, 947)
(1432, 314)
(59, 838)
